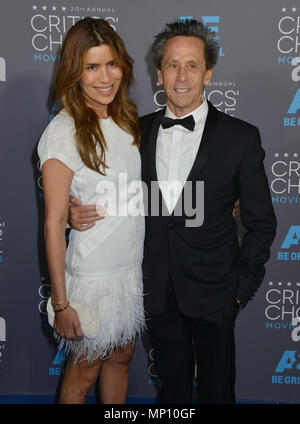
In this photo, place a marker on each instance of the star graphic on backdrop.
(286, 155)
(271, 283)
(63, 8)
(53, 7)
(289, 284)
(295, 155)
(283, 9)
(34, 7)
(294, 9)
(280, 283)
(44, 7)
(276, 155)
(298, 284)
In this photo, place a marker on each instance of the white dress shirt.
(176, 152)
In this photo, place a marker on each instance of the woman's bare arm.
(57, 180)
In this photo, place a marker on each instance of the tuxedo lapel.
(152, 143)
(203, 151)
(206, 142)
(150, 153)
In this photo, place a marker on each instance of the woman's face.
(101, 79)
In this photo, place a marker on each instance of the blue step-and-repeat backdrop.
(256, 79)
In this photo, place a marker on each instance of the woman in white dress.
(93, 141)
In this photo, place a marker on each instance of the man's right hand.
(83, 217)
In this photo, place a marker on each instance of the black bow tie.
(187, 122)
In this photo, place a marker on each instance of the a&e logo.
(292, 237)
(59, 361)
(289, 363)
(293, 120)
(290, 246)
(212, 23)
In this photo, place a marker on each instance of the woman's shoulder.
(61, 123)
(60, 127)
(59, 141)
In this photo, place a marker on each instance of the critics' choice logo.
(288, 47)
(58, 363)
(2, 337)
(40, 179)
(44, 293)
(282, 310)
(50, 23)
(2, 69)
(288, 42)
(285, 178)
(289, 249)
(2, 230)
(153, 373)
(224, 95)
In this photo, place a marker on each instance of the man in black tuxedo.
(197, 276)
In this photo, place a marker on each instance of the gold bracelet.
(67, 304)
(59, 303)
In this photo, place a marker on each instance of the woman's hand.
(67, 324)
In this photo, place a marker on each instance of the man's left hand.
(83, 217)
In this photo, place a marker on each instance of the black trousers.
(179, 342)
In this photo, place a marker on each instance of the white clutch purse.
(88, 317)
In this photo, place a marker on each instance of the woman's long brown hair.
(82, 36)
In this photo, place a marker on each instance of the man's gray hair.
(190, 28)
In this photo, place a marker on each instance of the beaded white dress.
(103, 264)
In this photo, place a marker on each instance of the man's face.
(183, 74)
